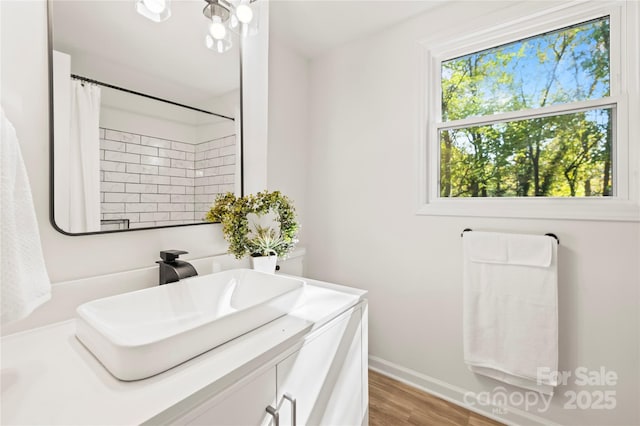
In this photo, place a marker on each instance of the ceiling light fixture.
(239, 16)
(154, 10)
(218, 38)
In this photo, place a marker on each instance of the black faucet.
(171, 269)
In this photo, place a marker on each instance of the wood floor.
(392, 403)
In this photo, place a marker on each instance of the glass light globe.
(219, 46)
(209, 41)
(155, 6)
(217, 29)
(154, 10)
(244, 13)
(245, 18)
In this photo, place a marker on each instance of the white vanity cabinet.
(242, 405)
(315, 355)
(325, 377)
(320, 381)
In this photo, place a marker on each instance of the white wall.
(146, 124)
(288, 126)
(255, 86)
(225, 104)
(24, 85)
(135, 114)
(362, 230)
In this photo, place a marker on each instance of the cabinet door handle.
(292, 400)
(274, 413)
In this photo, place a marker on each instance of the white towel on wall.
(24, 282)
(510, 308)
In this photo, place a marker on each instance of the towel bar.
(549, 234)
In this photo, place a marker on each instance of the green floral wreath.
(232, 212)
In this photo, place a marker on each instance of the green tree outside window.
(563, 155)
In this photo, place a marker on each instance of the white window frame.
(624, 205)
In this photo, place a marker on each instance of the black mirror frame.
(51, 139)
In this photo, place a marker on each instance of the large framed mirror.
(145, 119)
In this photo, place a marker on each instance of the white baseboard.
(454, 394)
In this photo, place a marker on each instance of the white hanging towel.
(24, 282)
(510, 308)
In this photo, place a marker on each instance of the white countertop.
(49, 378)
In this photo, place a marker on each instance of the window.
(564, 153)
(530, 116)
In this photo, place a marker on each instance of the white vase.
(265, 263)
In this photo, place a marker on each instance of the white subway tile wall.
(209, 176)
(156, 182)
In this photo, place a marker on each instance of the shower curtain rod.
(549, 234)
(111, 86)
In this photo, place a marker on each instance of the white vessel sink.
(139, 334)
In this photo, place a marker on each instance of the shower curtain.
(84, 158)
